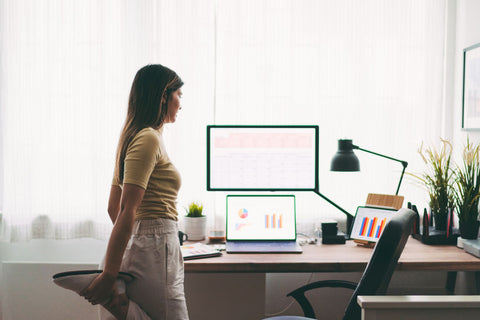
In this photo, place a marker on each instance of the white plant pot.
(196, 227)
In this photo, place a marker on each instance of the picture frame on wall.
(471, 88)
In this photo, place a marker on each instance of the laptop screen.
(370, 222)
(265, 217)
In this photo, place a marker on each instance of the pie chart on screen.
(243, 213)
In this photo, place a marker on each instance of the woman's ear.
(164, 97)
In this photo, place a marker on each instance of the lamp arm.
(401, 177)
(349, 215)
(404, 163)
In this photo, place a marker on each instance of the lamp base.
(334, 239)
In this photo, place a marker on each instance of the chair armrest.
(299, 294)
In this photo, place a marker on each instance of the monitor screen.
(269, 158)
(261, 217)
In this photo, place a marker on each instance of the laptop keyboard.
(263, 246)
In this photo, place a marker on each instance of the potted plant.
(467, 191)
(195, 221)
(438, 179)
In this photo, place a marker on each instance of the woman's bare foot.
(118, 306)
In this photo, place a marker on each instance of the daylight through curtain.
(367, 70)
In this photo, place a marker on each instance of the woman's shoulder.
(148, 132)
(147, 136)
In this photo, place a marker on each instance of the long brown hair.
(145, 107)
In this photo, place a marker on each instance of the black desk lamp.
(346, 160)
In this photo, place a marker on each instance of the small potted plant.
(195, 221)
(438, 179)
(467, 191)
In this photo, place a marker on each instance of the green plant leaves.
(194, 210)
(439, 177)
(451, 186)
(467, 191)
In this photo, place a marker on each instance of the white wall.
(26, 287)
(29, 293)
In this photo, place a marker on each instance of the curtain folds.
(370, 70)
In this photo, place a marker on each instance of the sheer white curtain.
(367, 70)
(66, 69)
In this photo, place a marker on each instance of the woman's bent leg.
(154, 259)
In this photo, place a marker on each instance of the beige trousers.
(154, 259)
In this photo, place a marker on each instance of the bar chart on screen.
(273, 221)
(370, 222)
(372, 227)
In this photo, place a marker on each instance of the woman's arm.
(102, 287)
(114, 202)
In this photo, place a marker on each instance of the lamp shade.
(345, 159)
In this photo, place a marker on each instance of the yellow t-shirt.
(148, 166)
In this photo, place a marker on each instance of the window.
(357, 69)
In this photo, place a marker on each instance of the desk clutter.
(330, 234)
(472, 246)
(198, 251)
(429, 233)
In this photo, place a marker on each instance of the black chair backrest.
(385, 255)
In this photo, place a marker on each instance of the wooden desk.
(337, 258)
(209, 282)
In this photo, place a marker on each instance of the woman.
(142, 202)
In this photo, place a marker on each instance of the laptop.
(370, 221)
(261, 224)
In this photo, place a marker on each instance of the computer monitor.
(262, 158)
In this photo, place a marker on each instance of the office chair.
(377, 274)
